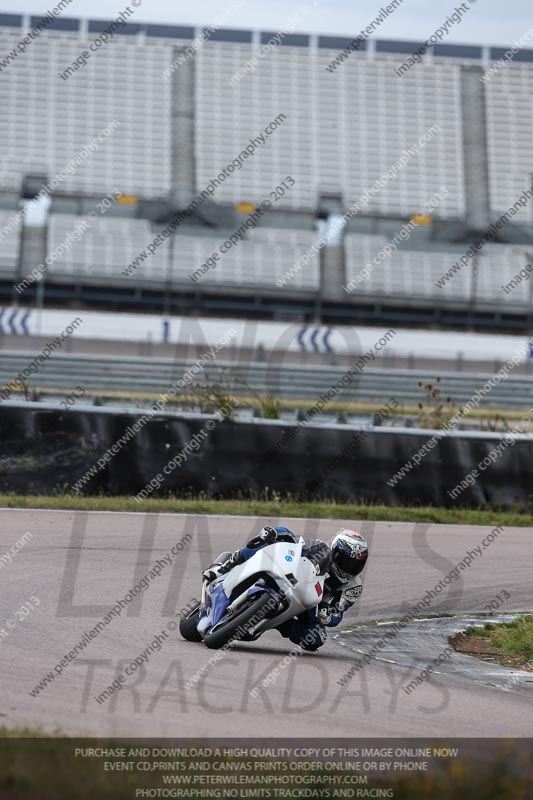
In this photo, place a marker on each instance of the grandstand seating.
(48, 121)
(270, 255)
(344, 128)
(10, 224)
(499, 265)
(415, 273)
(297, 237)
(108, 245)
(509, 96)
(406, 273)
(343, 131)
(260, 261)
(104, 249)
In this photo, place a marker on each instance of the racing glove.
(266, 535)
(324, 614)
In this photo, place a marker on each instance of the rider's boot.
(267, 535)
(216, 570)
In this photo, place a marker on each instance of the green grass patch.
(276, 508)
(489, 415)
(515, 638)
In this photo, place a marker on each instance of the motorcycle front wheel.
(188, 625)
(236, 627)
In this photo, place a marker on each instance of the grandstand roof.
(78, 25)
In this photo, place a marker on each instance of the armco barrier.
(45, 450)
(131, 376)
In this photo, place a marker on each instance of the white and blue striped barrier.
(271, 336)
(14, 321)
(315, 340)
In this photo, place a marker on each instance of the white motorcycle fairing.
(295, 575)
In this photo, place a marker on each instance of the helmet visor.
(353, 563)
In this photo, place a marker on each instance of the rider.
(343, 560)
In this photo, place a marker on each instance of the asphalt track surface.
(77, 565)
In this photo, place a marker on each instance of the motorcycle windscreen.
(279, 560)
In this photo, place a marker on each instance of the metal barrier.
(143, 376)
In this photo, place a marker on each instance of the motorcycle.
(276, 584)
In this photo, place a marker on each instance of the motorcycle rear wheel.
(260, 607)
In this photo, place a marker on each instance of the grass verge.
(506, 643)
(489, 415)
(277, 509)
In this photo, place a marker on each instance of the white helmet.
(349, 552)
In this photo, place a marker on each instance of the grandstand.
(254, 263)
(509, 98)
(105, 244)
(109, 243)
(9, 243)
(158, 128)
(49, 121)
(415, 274)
